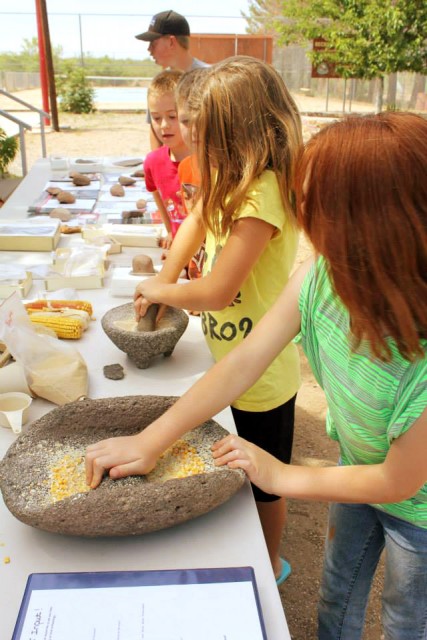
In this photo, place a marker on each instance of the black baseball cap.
(165, 23)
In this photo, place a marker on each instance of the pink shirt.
(161, 174)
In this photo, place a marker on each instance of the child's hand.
(262, 468)
(150, 290)
(122, 457)
(140, 305)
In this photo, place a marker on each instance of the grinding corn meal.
(67, 473)
(67, 476)
(179, 461)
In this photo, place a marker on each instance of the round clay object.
(142, 264)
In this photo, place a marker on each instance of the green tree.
(76, 95)
(366, 38)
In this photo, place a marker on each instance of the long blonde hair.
(246, 122)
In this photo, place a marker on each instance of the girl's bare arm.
(220, 386)
(399, 477)
(217, 289)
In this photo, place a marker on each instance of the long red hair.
(361, 186)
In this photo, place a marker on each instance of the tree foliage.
(366, 38)
(8, 150)
(75, 93)
(28, 60)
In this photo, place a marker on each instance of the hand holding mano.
(121, 457)
(262, 468)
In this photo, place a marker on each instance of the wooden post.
(49, 65)
(42, 63)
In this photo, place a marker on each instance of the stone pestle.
(148, 322)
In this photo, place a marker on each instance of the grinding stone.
(142, 346)
(128, 506)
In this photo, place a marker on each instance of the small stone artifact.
(139, 173)
(126, 181)
(65, 197)
(61, 213)
(141, 203)
(53, 190)
(117, 190)
(114, 371)
(148, 322)
(80, 179)
(43, 483)
(142, 346)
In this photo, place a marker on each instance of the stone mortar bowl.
(128, 506)
(143, 346)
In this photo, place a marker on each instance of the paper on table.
(190, 610)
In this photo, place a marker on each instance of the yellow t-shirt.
(225, 329)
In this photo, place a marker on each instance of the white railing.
(24, 125)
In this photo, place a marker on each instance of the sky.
(111, 32)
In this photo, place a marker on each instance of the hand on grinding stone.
(120, 457)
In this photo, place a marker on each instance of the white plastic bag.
(54, 370)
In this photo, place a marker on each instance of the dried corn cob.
(64, 327)
(82, 316)
(60, 304)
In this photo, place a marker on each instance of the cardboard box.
(29, 235)
(59, 281)
(54, 282)
(135, 235)
(128, 235)
(22, 287)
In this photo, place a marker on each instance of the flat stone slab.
(142, 346)
(128, 506)
(114, 371)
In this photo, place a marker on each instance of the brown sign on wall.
(324, 68)
(215, 47)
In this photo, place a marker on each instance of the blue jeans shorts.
(357, 535)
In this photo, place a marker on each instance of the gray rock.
(142, 346)
(129, 506)
(114, 371)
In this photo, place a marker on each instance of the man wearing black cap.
(169, 44)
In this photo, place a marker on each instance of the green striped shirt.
(370, 402)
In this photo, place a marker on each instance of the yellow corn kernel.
(67, 477)
(6, 560)
(179, 461)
